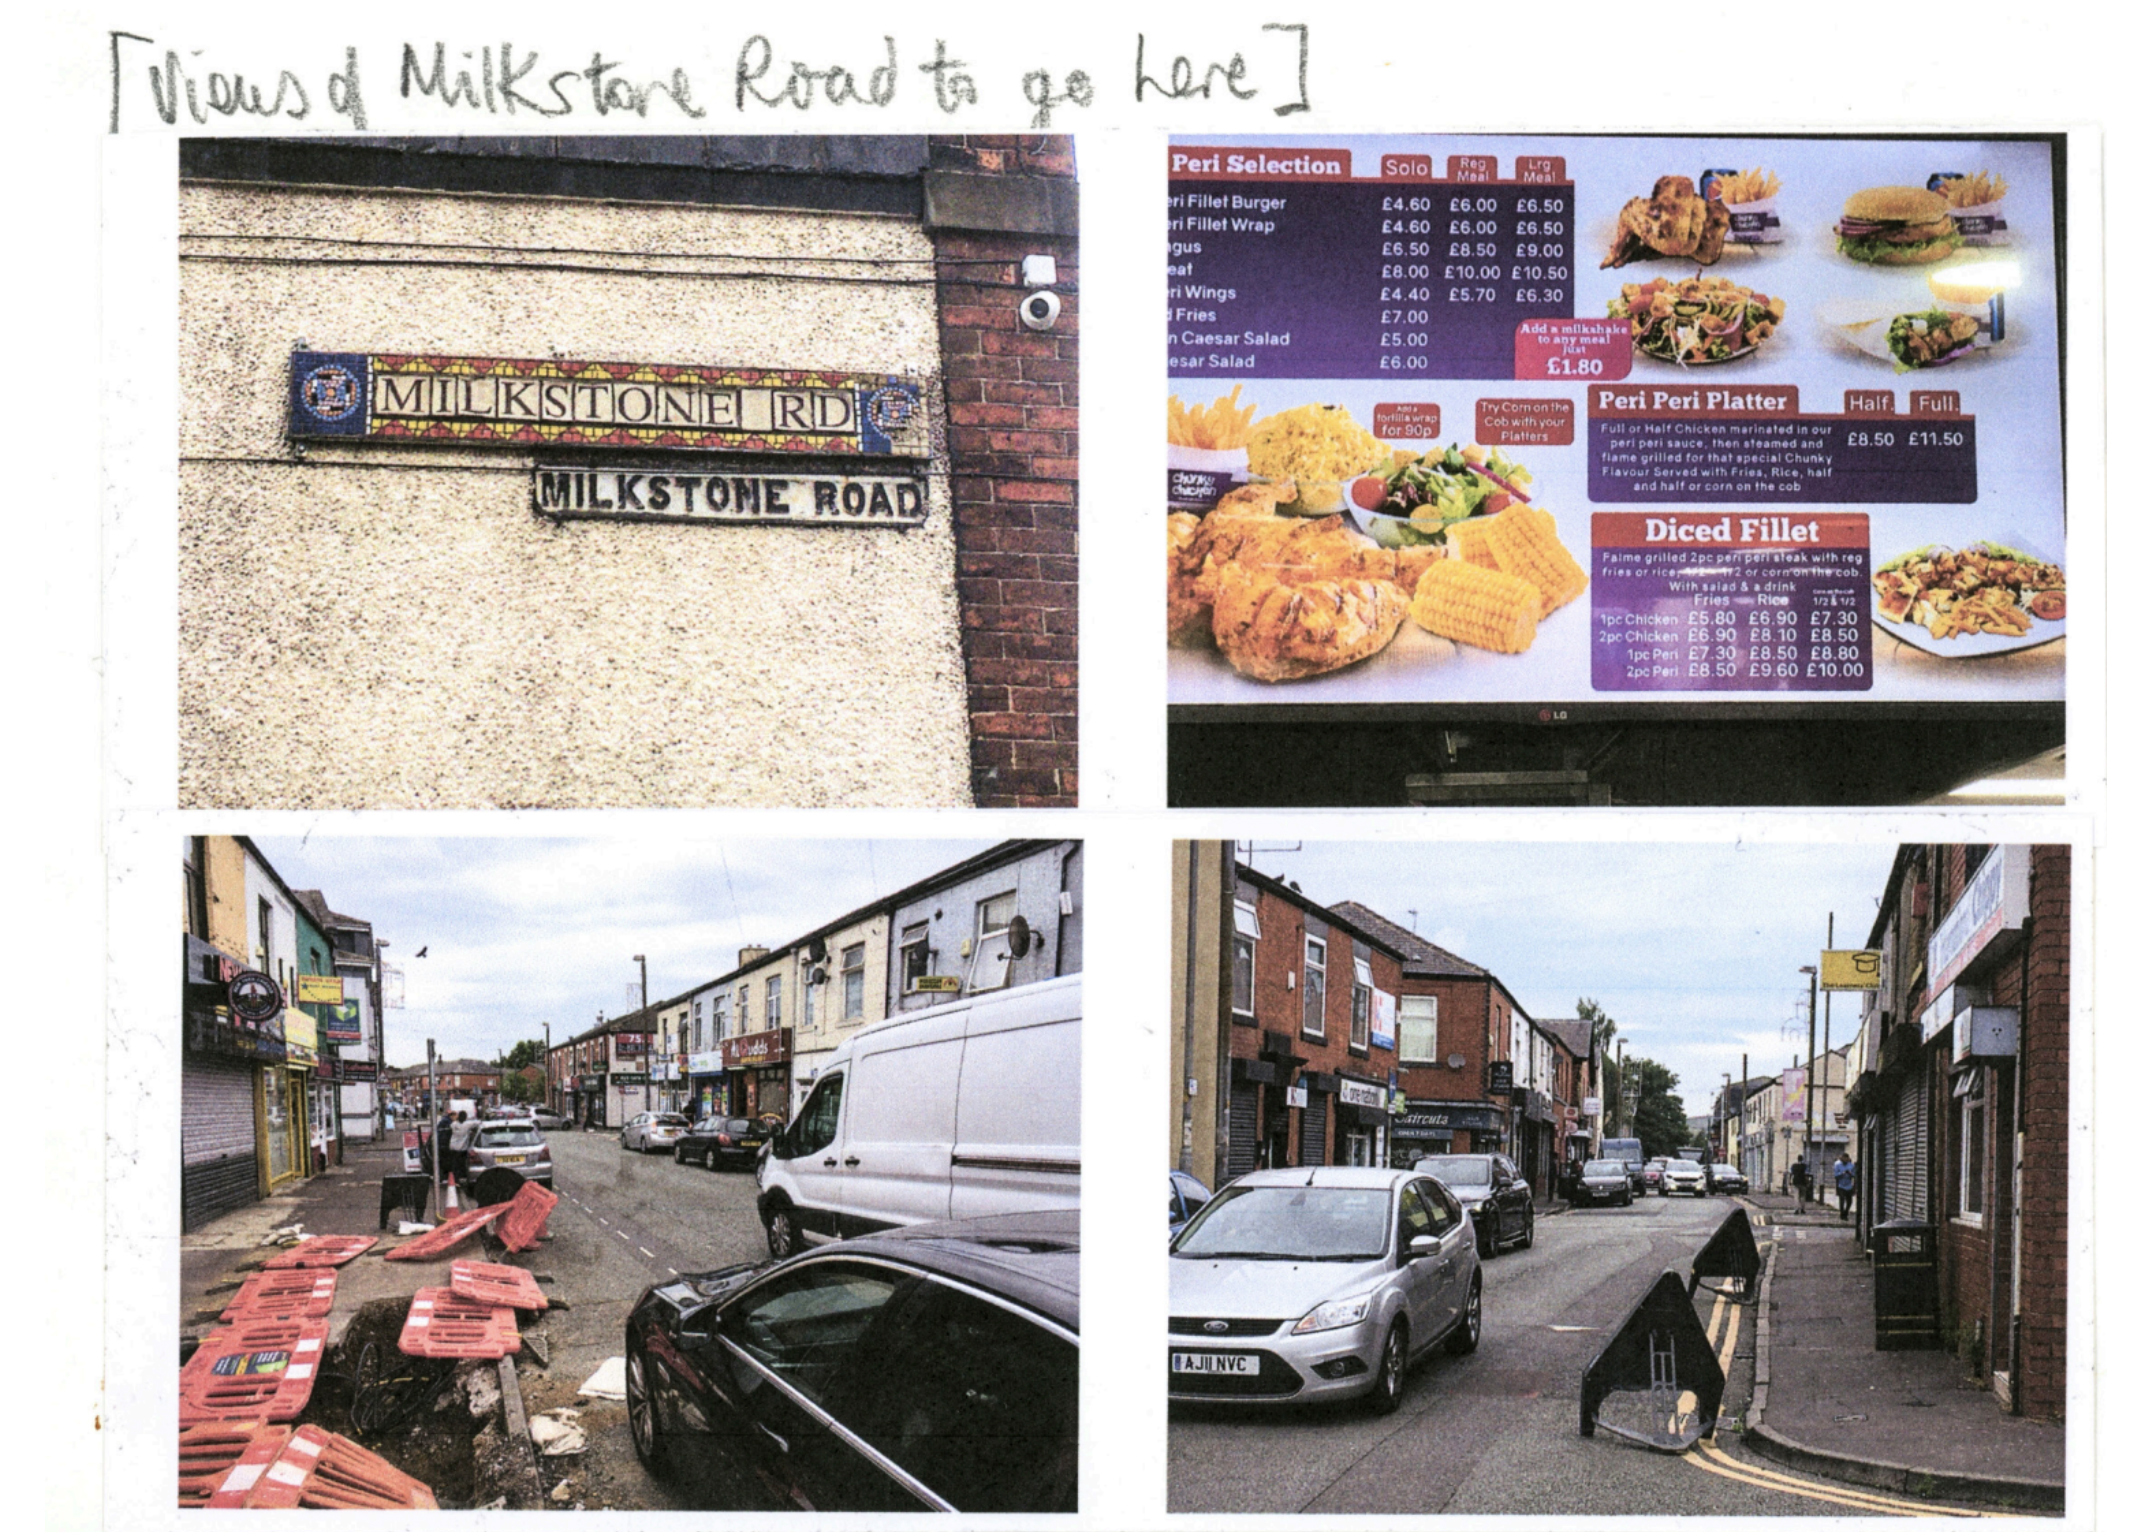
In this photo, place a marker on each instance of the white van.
(967, 1110)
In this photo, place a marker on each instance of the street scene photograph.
(614, 1174)
(1623, 1178)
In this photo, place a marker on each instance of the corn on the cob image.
(1469, 537)
(1524, 544)
(1468, 603)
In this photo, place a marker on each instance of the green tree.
(523, 1054)
(523, 1085)
(1660, 1122)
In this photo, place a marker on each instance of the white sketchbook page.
(94, 691)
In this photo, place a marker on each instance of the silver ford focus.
(1323, 1282)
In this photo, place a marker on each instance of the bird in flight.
(422, 950)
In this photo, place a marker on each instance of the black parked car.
(1606, 1182)
(930, 1368)
(717, 1140)
(1491, 1189)
(1725, 1177)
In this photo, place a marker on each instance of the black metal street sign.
(255, 996)
(681, 496)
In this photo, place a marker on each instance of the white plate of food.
(1699, 320)
(1979, 599)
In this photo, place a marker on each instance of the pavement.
(1829, 1403)
(346, 1199)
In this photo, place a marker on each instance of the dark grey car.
(1491, 1189)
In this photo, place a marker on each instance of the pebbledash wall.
(392, 624)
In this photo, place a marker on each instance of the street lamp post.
(1621, 1130)
(1809, 1076)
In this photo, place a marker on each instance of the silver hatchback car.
(1324, 1282)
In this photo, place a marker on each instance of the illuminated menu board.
(1748, 419)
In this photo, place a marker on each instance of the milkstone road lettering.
(842, 501)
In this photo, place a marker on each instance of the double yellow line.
(1707, 1455)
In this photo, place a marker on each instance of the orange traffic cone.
(450, 1206)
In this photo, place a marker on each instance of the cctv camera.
(1040, 311)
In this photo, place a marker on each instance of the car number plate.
(508, 1158)
(1213, 1362)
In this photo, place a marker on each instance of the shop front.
(1363, 1113)
(1445, 1126)
(225, 1061)
(756, 1070)
(706, 1084)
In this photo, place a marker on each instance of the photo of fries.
(1973, 191)
(1224, 424)
(1751, 186)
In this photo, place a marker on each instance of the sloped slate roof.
(1423, 958)
(1575, 1035)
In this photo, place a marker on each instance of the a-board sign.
(1789, 434)
(714, 494)
(523, 403)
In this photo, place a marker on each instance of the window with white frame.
(1416, 1029)
(915, 958)
(695, 1037)
(808, 991)
(1973, 1130)
(742, 1015)
(1312, 990)
(990, 953)
(720, 1017)
(855, 979)
(773, 1003)
(1247, 930)
(1363, 1000)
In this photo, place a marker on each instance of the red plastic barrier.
(448, 1235)
(283, 1294)
(525, 1223)
(256, 1369)
(501, 1286)
(322, 1250)
(284, 1467)
(208, 1451)
(442, 1324)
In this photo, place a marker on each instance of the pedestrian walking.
(1843, 1180)
(460, 1139)
(1798, 1177)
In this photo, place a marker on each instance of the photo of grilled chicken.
(1674, 221)
(1284, 597)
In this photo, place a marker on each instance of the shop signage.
(629, 1044)
(300, 1038)
(706, 1062)
(1422, 1117)
(629, 1080)
(255, 996)
(1353, 1092)
(320, 990)
(1297, 1095)
(1792, 1082)
(1383, 1028)
(1995, 900)
(1590, 1106)
(935, 985)
(761, 1048)
(342, 1022)
(1850, 971)
(1501, 1080)
(522, 403)
(360, 1070)
(691, 496)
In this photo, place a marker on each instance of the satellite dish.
(1020, 936)
(1457, 1059)
(817, 951)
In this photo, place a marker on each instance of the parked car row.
(734, 1140)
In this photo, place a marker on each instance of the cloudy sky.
(520, 931)
(1691, 948)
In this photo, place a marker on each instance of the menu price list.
(1721, 601)
(1362, 279)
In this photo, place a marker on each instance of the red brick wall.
(2046, 1052)
(1012, 396)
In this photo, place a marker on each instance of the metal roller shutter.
(1907, 1195)
(1240, 1130)
(216, 1138)
(1315, 1146)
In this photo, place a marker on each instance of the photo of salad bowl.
(1696, 321)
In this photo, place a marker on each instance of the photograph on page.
(539, 1182)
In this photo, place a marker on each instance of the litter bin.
(1903, 1252)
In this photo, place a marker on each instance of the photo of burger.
(1897, 227)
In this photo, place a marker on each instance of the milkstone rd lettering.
(844, 501)
(611, 402)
